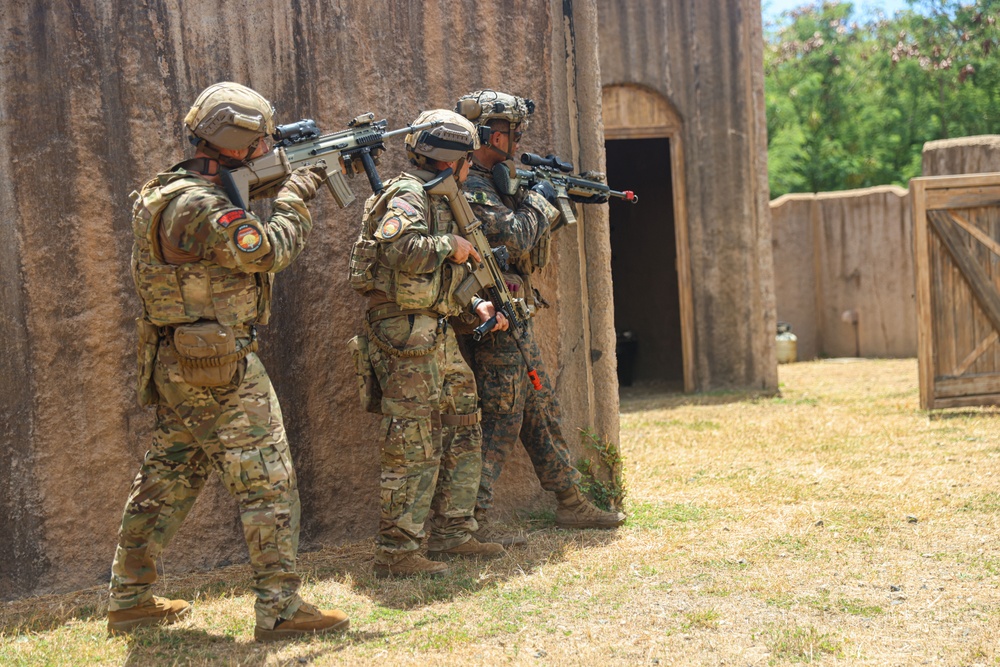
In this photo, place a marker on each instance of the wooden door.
(957, 245)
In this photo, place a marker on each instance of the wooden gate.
(957, 244)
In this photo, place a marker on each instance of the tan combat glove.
(304, 181)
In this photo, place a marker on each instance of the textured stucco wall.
(705, 58)
(840, 251)
(966, 155)
(91, 98)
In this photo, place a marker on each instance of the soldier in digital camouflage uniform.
(408, 261)
(519, 219)
(202, 267)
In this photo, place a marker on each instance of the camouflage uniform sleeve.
(205, 223)
(403, 233)
(518, 229)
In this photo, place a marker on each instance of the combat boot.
(490, 533)
(156, 611)
(471, 549)
(575, 511)
(308, 620)
(410, 566)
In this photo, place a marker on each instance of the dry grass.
(836, 524)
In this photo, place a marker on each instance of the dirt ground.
(834, 524)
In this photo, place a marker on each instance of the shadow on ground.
(349, 565)
(653, 396)
(545, 546)
(972, 413)
(172, 645)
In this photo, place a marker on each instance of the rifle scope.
(550, 161)
(293, 133)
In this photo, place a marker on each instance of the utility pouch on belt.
(368, 386)
(207, 354)
(149, 340)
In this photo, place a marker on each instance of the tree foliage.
(851, 103)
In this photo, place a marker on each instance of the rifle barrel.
(412, 128)
(627, 195)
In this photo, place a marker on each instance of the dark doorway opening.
(644, 263)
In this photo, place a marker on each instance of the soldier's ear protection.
(469, 108)
(473, 109)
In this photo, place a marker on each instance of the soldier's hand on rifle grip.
(486, 312)
(463, 249)
(545, 189)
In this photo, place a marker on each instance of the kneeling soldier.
(408, 261)
(202, 267)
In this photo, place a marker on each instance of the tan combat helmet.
(482, 106)
(451, 141)
(230, 115)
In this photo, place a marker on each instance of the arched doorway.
(650, 262)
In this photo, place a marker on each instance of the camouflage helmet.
(230, 115)
(450, 141)
(482, 106)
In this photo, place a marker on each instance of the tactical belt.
(388, 310)
(461, 420)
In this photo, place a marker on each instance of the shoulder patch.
(403, 205)
(248, 237)
(389, 228)
(231, 217)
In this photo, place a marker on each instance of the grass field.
(835, 524)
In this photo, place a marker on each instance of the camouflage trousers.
(428, 460)
(512, 408)
(236, 430)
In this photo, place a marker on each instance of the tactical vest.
(369, 273)
(203, 290)
(538, 256)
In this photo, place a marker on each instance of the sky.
(773, 8)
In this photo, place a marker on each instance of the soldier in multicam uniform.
(408, 261)
(202, 268)
(519, 219)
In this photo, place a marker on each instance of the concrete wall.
(91, 98)
(705, 59)
(846, 251)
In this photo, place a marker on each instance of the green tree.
(851, 104)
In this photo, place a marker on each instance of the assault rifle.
(302, 144)
(586, 188)
(486, 275)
